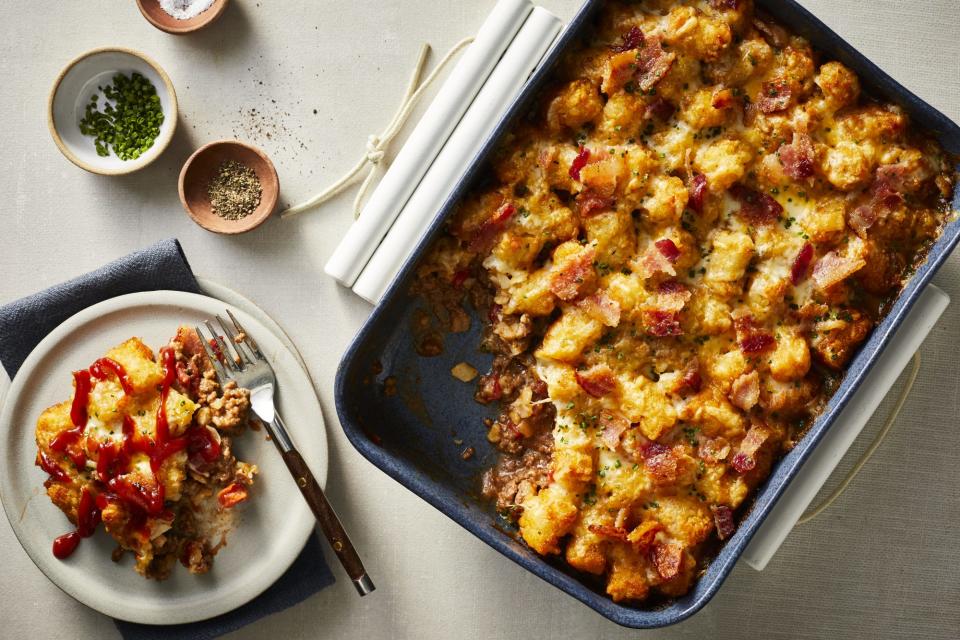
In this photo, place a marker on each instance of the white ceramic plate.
(274, 523)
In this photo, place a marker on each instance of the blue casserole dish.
(413, 434)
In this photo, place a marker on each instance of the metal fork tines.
(236, 356)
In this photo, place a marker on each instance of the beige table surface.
(883, 562)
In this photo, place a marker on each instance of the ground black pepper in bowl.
(235, 191)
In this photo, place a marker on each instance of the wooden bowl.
(162, 20)
(202, 167)
(71, 92)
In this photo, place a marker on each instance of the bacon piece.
(632, 39)
(833, 268)
(733, 5)
(692, 380)
(885, 194)
(672, 296)
(745, 459)
(485, 234)
(666, 558)
(668, 248)
(757, 343)
(723, 519)
(590, 203)
(773, 33)
(652, 262)
(644, 535)
(742, 463)
(698, 192)
(583, 157)
(801, 265)
(751, 339)
(659, 109)
(714, 449)
(745, 391)
(671, 287)
(691, 377)
(613, 426)
(758, 208)
(887, 189)
(893, 180)
(723, 99)
(774, 96)
(661, 462)
(662, 323)
(602, 307)
(862, 218)
(798, 157)
(232, 495)
(651, 449)
(575, 274)
(597, 381)
(653, 63)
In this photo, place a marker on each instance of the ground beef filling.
(522, 431)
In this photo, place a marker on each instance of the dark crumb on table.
(467, 453)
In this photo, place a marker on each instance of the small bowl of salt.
(181, 16)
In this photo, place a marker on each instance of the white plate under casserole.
(273, 525)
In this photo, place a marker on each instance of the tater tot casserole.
(677, 252)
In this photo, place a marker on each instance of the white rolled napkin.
(521, 58)
(426, 140)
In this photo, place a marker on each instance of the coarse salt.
(185, 9)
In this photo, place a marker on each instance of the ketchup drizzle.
(97, 370)
(88, 517)
(53, 469)
(81, 396)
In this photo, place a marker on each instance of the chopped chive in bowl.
(129, 121)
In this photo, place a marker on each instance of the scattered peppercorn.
(130, 120)
(235, 191)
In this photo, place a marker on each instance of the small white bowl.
(71, 93)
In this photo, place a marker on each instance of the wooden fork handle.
(329, 523)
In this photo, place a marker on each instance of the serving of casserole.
(144, 446)
(681, 252)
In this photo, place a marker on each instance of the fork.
(246, 365)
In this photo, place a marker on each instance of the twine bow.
(377, 144)
(813, 512)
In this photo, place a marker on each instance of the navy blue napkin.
(25, 322)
